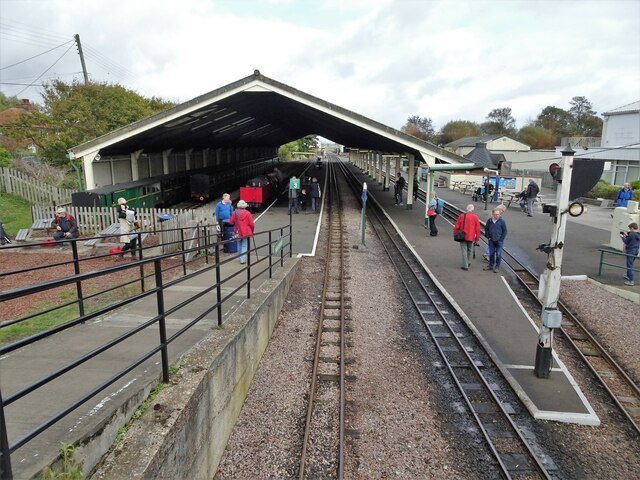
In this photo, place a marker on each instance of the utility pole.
(84, 67)
(549, 290)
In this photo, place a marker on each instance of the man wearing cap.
(243, 226)
(65, 225)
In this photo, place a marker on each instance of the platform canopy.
(257, 111)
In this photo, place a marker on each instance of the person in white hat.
(128, 234)
(243, 226)
(65, 225)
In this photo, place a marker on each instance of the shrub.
(603, 190)
(5, 157)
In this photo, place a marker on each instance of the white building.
(620, 145)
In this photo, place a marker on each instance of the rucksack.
(439, 206)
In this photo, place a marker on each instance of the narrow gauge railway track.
(462, 353)
(622, 389)
(324, 435)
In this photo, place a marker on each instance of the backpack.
(439, 206)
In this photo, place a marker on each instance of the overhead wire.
(39, 76)
(35, 56)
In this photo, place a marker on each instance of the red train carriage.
(260, 191)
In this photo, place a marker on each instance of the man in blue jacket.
(624, 195)
(496, 232)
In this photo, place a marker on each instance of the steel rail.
(396, 251)
(622, 389)
(333, 243)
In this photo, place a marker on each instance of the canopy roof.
(257, 112)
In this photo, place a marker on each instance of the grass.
(48, 320)
(16, 213)
(71, 468)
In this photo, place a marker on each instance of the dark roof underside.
(257, 112)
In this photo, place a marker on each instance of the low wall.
(184, 432)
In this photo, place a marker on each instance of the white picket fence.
(95, 219)
(18, 183)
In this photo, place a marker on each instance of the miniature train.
(164, 191)
(261, 190)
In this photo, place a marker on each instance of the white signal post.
(549, 290)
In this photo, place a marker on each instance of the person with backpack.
(435, 205)
(532, 194)
(243, 227)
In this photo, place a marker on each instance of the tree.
(458, 129)
(537, 137)
(556, 120)
(8, 102)
(499, 122)
(420, 127)
(585, 122)
(75, 113)
(304, 144)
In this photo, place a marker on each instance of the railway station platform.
(487, 302)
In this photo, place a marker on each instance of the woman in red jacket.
(243, 226)
(470, 224)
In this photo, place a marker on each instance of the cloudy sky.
(385, 59)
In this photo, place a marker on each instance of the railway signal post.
(549, 290)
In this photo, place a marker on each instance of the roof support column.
(87, 164)
(187, 159)
(412, 175)
(135, 171)
(165, 161)
(387, 162)
(359, 160)
(379, 167)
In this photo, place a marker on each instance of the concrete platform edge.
(184, 433)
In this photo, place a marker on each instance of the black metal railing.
(268, 250)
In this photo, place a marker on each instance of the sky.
(385, 59)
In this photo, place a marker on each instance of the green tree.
(585, 121)
(500, 121)
(5, 157)
(8, 102)
(457, 129)
(556, 120)
(537, 137)
(420, 127)
(304, 144)
(75, 113)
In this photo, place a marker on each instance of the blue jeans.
(495, 253)
(293, 205)
(243, 246)
(315, 204)
(530, 202)
(631, 257)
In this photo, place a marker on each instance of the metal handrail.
(6, 447)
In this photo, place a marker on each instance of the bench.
(22, 235)
(110, 231)
(440, 182)
(42, 224)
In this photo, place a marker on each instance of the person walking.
(624, 195)
(495, 231)
(631, 242)
(66, 226)
(435, 205)
(128, 234)
(532, 194)
(502, 208)
(294, 187)
(468, 223)
(243, 226)
(314, 188)
(399, 189)
(416, 186)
